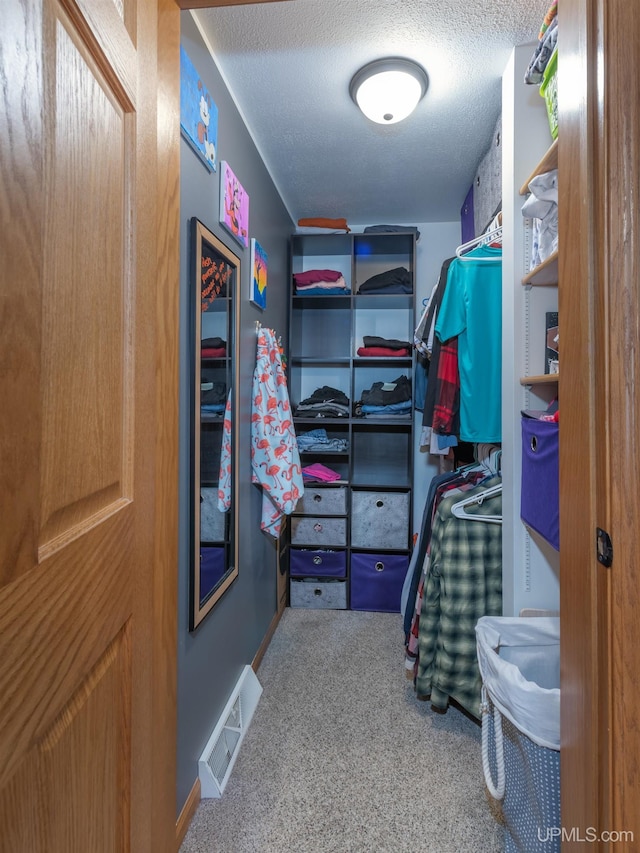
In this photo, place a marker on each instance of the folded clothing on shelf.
(325, 402)
(376, 347)
(320, 472)
(320, 283)
(213, 348)
(397, 280)
(386, 393)
(382, 352)
(317, 441)
(323, 222)
(396, 229)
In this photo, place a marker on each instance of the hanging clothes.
(464, 582)
(471, 310)
(275, 460)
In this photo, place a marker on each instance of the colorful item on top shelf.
(542, 56)
(397, 280)
(322, 224)
(550, 16)
(549, 91)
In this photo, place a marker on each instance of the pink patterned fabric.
(275, 460)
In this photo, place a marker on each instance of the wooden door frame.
(599, 306)
(165, 587)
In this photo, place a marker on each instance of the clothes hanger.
(492, 236)
(458, 508)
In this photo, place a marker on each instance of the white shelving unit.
(531, 566)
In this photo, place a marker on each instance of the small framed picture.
(198, 113)
(258, 293)
(234, 205)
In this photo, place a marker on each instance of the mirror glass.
(214, 315)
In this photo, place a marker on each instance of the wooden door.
(88, 424)
(599, 183)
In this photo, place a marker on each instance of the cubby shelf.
(375, 489)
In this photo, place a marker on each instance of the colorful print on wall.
(234, 205)
(258, 274)
(198, 113)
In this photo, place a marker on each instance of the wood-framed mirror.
(215, 282)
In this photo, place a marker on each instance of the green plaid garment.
(464, 582)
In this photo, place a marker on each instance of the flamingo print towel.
(275, 460)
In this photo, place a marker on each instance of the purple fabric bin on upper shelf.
(320, 564)
(539, 499)
(376, 581)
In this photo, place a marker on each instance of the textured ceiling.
(288, 66)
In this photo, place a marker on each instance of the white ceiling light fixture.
(389, 90)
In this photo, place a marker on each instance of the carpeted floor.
(341, 757)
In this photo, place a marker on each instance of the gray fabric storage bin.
(319, 501)
(315, 593)
(212, 521)
(379, 519)
(314, 530)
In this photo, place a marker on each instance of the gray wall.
(211, 659)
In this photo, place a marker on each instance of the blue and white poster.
(198, 113)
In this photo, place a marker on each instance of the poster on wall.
(198, 113)
(234, 205)
(258, 293)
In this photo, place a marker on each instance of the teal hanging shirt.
(471, 310)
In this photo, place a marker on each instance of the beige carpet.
(342, 758)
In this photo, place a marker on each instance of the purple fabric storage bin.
(317, 564)
(539, 502)
(376, 581)
(212, 569)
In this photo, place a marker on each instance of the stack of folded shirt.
(386, 399)
(320, 283)
(213, 396)
(319, 473)
(317, 441)
(375, 347)
(213, 348)
(325, 402)
(397, 280)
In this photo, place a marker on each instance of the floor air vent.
(221, 751)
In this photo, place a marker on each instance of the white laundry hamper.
(519, 660)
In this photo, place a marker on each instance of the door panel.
(64, 769)
(88, 471)
(88, 401)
